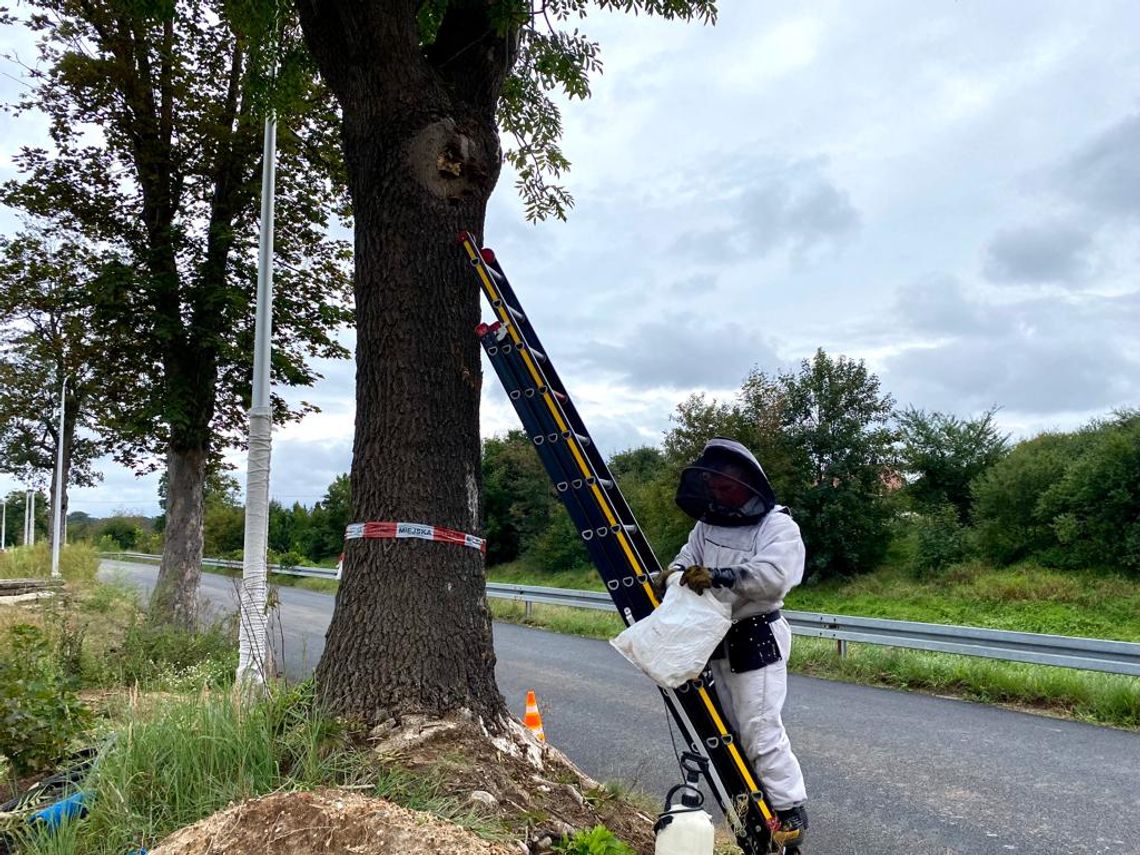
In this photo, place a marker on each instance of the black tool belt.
(750, 643)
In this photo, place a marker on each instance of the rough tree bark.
(411, 632)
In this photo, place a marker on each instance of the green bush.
(940, 541)
(40, 713)
(169, 658)
(558, 547)
(124, 533)
(599, 840)
(1094, 510)
(1008, 521)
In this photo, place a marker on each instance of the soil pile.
(527, 792)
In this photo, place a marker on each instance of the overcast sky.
(949, 191)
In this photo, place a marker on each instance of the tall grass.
(78, 562)
(173, 764)
(1094, 697)
(1024, 597)
(185, 760)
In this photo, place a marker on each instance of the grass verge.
(1025, 598)
(167, 766)
(1022, 598)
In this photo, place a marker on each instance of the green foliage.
(47, 337)
(520, 509)
(598, 840)
(14, 517)
(940, 541)
(155, 115)
(1008, 523)
(188, 758)
(1094, 508)
(78, 563)
(158, 656)
(558, 546)
(943, 454)
(40, 713)
(122, 532)
(1070, 500)
(834, 420)
(820, 433)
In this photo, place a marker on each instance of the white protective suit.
(768, 559)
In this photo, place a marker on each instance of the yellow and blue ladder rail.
(614, 541)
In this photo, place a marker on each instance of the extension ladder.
(612, 538)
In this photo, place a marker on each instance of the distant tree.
(318, 533)
(517, 500)
(14, 514)
(1094, 509)
(48, 279)
(1008, 520)
(942, 454)
(156, 113)
(289, 528)
(637, 465)
(695, 421)
(123, 532)
(81, 526)
(821, 435)
(835, 421)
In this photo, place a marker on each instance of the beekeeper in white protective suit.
(748, 550)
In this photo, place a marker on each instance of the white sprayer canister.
(684, 831)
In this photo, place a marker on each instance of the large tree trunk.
(175, 597)
(411, 631)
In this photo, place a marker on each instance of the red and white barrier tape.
(390, 530)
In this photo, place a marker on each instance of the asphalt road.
(887, 771)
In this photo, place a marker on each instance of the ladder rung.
(516, 314)
(605, 483)
(582, 439)
(536, 353)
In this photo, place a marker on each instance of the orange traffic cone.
(532, 719)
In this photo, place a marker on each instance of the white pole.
(253, 626)
(32, 521)
(57, 499)
(3, 524)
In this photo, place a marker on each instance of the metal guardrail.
(284, 569)
(1093, 654)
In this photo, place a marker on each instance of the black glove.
(700, 579)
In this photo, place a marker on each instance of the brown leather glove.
(659, 582)
(698, 578)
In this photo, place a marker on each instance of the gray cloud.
(1105, 173)
(1036, 356)
(1042, 253)
(938, 305)
(794, 207)
(303, 469)
(676, 353)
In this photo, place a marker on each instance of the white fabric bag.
(673, 644)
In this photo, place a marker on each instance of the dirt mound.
(527, 791)
(326, 821)
(534, 791)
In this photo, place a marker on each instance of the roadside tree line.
(856, 472)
